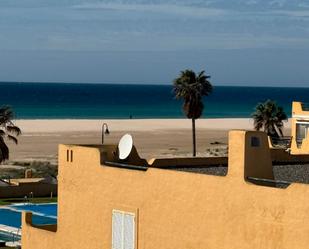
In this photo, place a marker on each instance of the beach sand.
(154, 138)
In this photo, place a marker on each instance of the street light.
(104, 131)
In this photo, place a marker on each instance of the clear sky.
(237, 42)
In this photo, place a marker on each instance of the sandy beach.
(152, 137)
(128, 125)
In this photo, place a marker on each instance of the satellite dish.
(125, 146)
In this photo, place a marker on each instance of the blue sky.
(237, 42)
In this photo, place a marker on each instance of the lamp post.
(104, 131)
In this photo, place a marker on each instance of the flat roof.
(24, 180)
(294, 173)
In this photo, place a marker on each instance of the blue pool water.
(44, 209)
(42, 214)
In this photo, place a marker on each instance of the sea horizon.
(143, 84)
(45, 100)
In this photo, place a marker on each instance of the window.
(301, 130)
(123, 230)
(69, 155)
(255, 142)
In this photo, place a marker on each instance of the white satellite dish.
(125, 146)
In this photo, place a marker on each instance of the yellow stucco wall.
(298, 114)
(176, 209)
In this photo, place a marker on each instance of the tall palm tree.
(191, 87)
(269, 117)
(7, 131)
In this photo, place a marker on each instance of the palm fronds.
(269, 117)
(191, 88)
(8, 131)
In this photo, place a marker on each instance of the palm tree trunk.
(193, 137)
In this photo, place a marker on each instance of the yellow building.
(300, 129)
(107, 203)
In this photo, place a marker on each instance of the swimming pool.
(10, 217)
(42, 214)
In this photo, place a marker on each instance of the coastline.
(128, 125)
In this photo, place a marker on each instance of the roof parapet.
(300, 110)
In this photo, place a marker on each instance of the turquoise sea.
(96, 101)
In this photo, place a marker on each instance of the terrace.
(159, 191)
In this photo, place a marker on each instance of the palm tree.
(7, 131)
(269, 117)
(191, 88)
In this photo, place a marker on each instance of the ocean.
(122, 101)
